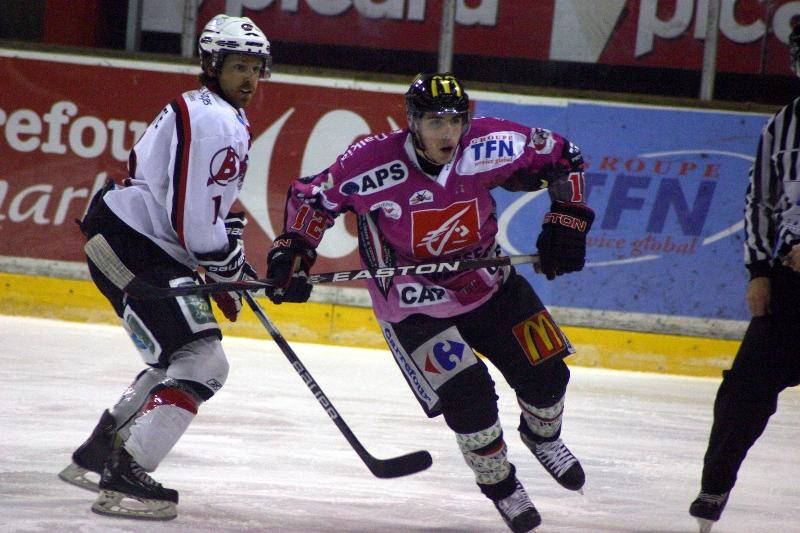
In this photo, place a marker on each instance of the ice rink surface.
(263, 456)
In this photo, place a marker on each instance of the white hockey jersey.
(186, 171)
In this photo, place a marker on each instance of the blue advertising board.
(667, 186)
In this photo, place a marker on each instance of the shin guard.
(486, 454)
(169, 410)
(541, 423)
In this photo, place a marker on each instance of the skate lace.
(556, 456)
(516, 503)
(714, 499)
(142, 476)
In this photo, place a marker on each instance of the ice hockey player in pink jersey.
(423, 194)
(172, 217)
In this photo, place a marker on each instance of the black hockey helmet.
(436, 93)
(794, 46)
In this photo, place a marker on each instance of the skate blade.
(113, 503)
(78, 476)
(705, 525)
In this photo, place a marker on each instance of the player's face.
(238, 78)
(440, 135)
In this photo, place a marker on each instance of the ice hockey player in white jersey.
(171, 218)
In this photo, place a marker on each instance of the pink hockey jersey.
(406, 216)
(185, 174)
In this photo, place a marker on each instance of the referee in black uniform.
(768, 360)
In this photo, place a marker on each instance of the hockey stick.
(383, 468)
(100, 252)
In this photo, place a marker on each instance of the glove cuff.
(578, 217)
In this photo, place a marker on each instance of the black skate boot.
(90, 456)
(556, 458)
(124, 480)
(707, 508)
(518, 511)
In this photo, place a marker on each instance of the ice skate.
(556, 458)
(518, 511)
(707, 508)
(126, 490)
(89, 458)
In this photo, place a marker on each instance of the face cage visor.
(415, 117)
(218, 58)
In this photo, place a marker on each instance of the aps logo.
(376, 179)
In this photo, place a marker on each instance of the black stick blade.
(404, 465)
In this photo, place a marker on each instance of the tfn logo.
(492, 148)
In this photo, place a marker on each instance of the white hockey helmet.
(239, 35)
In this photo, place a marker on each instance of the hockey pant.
(768, 361)
(438, 359)
(178, 338)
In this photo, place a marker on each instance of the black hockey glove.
(288, 264)
(230, 266)
(562, 242)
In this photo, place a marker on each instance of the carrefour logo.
(376, 179)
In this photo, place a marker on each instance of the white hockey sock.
(543, 422)
(490, 465)
(160, 424)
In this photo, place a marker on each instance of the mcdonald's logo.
(445, 85)
(539, 337)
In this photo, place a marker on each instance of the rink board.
(326, 323)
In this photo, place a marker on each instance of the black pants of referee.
(768, 361)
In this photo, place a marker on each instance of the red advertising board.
(65, 127)
(658, 33)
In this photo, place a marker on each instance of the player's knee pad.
(170, 408)
(469, 400)
(202, 365)
(543, 422)
(543, 384)
(486, 454)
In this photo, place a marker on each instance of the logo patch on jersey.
(225, 166)
(542, 141)
(437, 232)
(421, 197)
(540, 338)
(491, 151)
(419, 295)
(444, 356)
(390, 209)
(422, 388)
(377, 179)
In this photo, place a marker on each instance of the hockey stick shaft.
(136, 288)
(382, 468)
